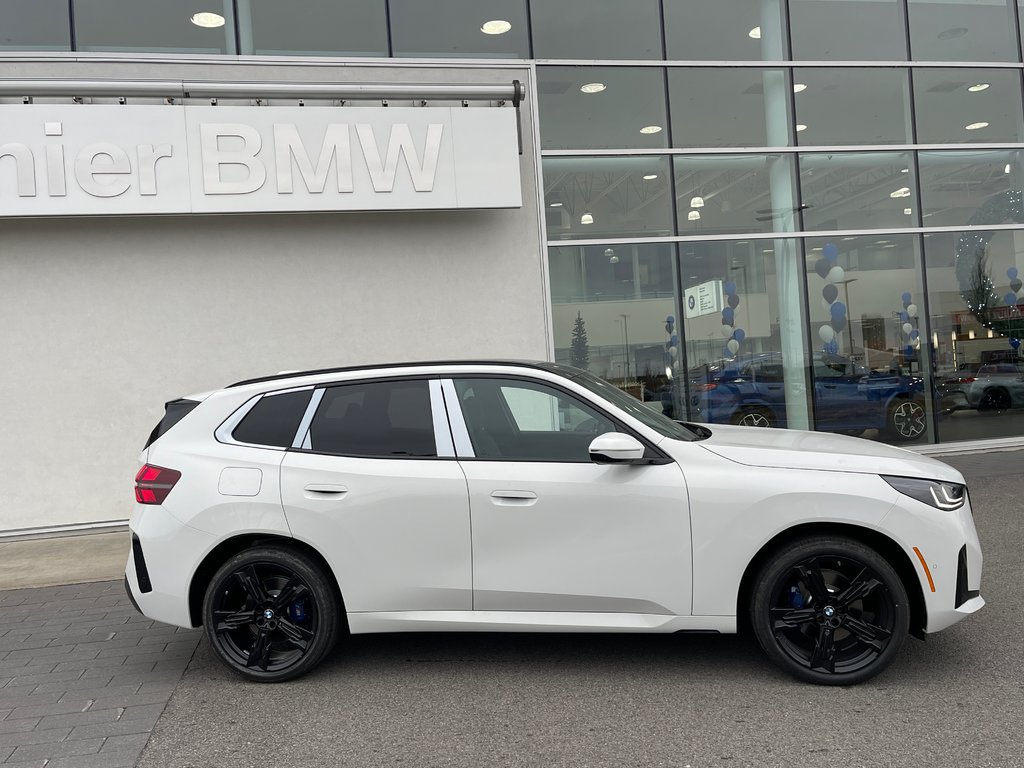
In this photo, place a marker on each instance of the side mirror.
(615, 448)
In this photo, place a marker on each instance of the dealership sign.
(704, 299)
(58, 160)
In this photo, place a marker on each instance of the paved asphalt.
(516, 700)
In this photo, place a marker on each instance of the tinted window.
(384, 418)
(511, 419)
(354, 27)
(273, 420)
(35, 25)
(459, 28)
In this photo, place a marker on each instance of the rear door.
(373, 484)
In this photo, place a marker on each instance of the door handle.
(324, 491)
(514, 498)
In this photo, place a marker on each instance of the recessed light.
(697, 201)
(904, 170)
(977, 87)
(555, 205)
(593, 87)
(901, 192)
(1006, 168)
(693, 216)
(208, 20)
(881, 242)
(908, 211)
(849, 238)
(657, 129)
(799, 87)
(976, 126)
(950, 34)
(495, 27)
(587, 218)
(755, 33)
(650, 177)
(890, 245)
(800, 127)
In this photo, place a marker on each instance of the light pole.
(625, 346)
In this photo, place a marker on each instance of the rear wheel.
(830, 611)
(906, 420)
(754, 416)
(996, 399)
(271, 614)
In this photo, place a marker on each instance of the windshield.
(656, 421)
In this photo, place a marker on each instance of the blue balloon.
(675, 340)
(730, 288)
(670, 319)
(1012, 273)
(908, 351)
(915, 335)
(1010, 299)
(728, 315)
(726, 352)
(1015, 343)
(838, 311)
(906, 297)
(739, 334)
(830, 252)
(904, 317)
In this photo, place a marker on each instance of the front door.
(553, 531)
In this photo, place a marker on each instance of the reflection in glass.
(602, 107)
(595, 29)
(967, 105)
(968, 30)
(700, 30)
(975, 187)
(739, 107)
(617, 196)
(744, 357)
(976, 303)
(847, 30)
(858, 190)
(352, 28)
(455, 28)
(173, 26)
(609, 309)
(852, 106)
(721, 194)
(28, 25)
(870, 354)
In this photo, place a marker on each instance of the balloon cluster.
(1011, 297)
(672, 344)
(831, 273)
(733, 334)
(911, 336)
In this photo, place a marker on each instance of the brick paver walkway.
(83, 676)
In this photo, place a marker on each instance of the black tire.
(906, 420)
(271, 614)
(754, 416)
(995, 399)
(829, 610)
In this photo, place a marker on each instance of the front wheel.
(270, 614)
(906, 420)
(829, 610)
(754, 416)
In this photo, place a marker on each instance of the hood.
(794, 449)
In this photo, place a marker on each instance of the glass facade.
(799, 213)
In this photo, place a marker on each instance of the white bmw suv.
(282, 512)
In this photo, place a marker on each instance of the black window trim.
(658, 457)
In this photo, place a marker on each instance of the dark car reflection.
(987, 386)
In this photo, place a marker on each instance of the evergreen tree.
(580, 351)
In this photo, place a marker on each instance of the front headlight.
(934, 493)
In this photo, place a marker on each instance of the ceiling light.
(755, 33)
(904, 170)
(849, 238)
(976, 126)
(799, 87)
(697, 202)
(901, 192)
(587, 218)
(208, 20)
(908, 211)
(693, 216)
(800, 127)
(650, 177)
(555, 205)
(610, 253)
(657, 129)
(977, 87)
(495, 27)
(1006, 169)
(593, 87)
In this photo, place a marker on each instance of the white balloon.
(673, 351)
(733, 346)
(727, 331)
(826, 306)
(907, 328)
(912, 310)
(835, 275)
(826, 333)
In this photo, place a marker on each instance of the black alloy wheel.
(830, 611)
(907, 420)
(270, 614)
(754, 417)
(995, 399)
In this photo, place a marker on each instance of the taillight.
(152, 484)
(968, 380)
(704, 387)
